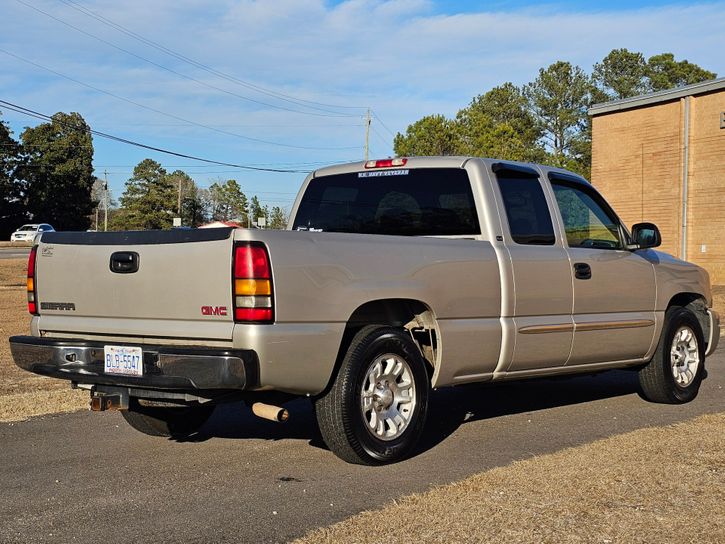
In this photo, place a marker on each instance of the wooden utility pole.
(179, 204)
(368, 120)
(105, 201)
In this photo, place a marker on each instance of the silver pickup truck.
(395, 277)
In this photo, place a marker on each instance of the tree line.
(546, 120)
(153, 197)
(47, 176)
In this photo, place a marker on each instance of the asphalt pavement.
(14, 252)
(89, 477)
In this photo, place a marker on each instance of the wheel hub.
(684, 356)
(387, 398)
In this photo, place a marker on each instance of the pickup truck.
(394, 277)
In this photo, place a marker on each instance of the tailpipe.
(270, 412)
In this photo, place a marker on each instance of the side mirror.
(646, 235)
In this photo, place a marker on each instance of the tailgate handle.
(124, 262)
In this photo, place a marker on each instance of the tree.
(255, 209)
(558, 99)
(58, 172)
(498, 124)
(621, 74)
(12, 212)
(277, 218)
(431, 135)
(228, 201)
(193, 206)
(149, 200)
(664, 72)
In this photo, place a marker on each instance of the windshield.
(28, 227)
(414, 202)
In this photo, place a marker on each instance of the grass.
(664, 485)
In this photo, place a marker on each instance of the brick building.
(660, 157)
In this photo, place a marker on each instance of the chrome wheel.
(387, 397)
(684, 356)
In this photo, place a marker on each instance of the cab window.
(587, 220)
(526, 209)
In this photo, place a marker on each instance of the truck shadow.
(455, 406)
(449, 408)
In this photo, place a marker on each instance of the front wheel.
(375, 410)
(675, 373)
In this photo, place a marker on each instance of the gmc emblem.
(213, 310)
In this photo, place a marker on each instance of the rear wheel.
(168, 421)
(376, 408)
(675, 373)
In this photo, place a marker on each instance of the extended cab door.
(614, 288)
(542, 279)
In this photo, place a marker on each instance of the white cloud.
(403, 58)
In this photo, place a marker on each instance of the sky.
(285, 84)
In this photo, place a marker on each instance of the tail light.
(32, 287)
(252, 284)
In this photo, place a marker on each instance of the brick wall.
(706, 199)
(637, 163)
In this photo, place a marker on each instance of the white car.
(30, 233)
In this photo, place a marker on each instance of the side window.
(587, 222)
(526, 209)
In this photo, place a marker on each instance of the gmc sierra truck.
(394, 277)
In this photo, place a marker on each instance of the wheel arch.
(415, 316)
(697, 304)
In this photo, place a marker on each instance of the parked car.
(30, 232)
(395, 277)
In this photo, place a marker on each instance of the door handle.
(582, 271)
(124, 262)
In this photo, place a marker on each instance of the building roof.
(658, 97)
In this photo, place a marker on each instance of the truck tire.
(164, 421)
(675, 372)
(375, 410)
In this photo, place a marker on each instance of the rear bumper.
(714, 332)
(164, 367)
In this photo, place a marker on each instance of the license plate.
(123, 360)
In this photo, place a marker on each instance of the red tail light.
(252, 284)
(32, 287)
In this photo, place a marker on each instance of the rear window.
(415, 202)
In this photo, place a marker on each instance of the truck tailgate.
(180, 289)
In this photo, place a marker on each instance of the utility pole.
(105, 201)
(179, 204)
(368, 120)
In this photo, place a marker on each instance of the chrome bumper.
(164, 367)
(714, 339)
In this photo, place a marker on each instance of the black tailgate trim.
(136, 237)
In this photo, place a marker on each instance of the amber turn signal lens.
(252, 287)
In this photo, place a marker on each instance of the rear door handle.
(124, 262)
(582, 271)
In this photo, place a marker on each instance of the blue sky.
(298, 75)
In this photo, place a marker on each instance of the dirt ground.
(23, 394)
(663, 485)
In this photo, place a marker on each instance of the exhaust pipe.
(270, 412)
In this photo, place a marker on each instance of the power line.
(171, 115)
(172, 71)
(383, 124)
(380, 137)
(197, 64)
(26, 111)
